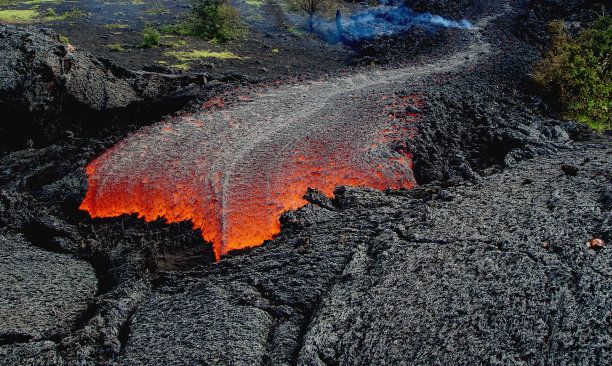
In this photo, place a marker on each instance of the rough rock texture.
(44, 293)
(424, 276)
(41, 73)
(457, 9)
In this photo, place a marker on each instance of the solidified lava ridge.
(233, 170)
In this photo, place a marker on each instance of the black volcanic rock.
(462, 281)
(456, 10)
(40, 73)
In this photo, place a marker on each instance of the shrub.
(575, 76)
(150, 37)
(74, 13)
(49, 13)
(314, 7)
(211, 19)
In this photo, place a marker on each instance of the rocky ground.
(485, 262)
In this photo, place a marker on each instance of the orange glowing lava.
(233, 171)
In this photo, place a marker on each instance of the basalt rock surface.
(42, 73)
(423, 276)
(43, 79)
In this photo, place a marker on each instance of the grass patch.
(180, 66)
(64, 40)
(256, 3)
(72, 14)
(115, 47)
(30, 2)
(157, 8)
(296, 31)
(575, 77)
(17, 16)
(199, 54)
(175, 44)
(116, 26)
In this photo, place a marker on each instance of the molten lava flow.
(232, 171)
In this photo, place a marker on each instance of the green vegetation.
(29, 2)
(150, 37)
(115, 47)
(296, 31)
(49, 13)
(210, 19)
(17, 16)
(74, 13)
(193, 55)
(312, 7)
(575, 76)
(179, 43)
(64, 40)
(256, 3)
(180, 66)
(157, 8)
(116, 26)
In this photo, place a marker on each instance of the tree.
(312, 7)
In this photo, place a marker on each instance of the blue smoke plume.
(383, 20)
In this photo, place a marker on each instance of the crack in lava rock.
(233, 170)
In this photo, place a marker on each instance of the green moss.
(180, 66)
(256, 3)
(64, 40)
(176, 44)
(115, 47)
(198, 54)
(296, 31)
(17, 16)
(29, 2)
(116, 26)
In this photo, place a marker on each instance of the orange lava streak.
(233, 182)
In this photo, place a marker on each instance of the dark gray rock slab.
(44, 293)
(41, 74)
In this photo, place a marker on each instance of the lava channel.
(232, 171)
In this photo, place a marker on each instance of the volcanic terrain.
(401, 199)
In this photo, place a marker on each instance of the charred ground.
(485, 262)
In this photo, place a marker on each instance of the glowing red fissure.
(234, 176)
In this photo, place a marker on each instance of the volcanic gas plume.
(233, 169)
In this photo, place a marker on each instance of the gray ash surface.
(485, 262)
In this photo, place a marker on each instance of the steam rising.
(384, 20)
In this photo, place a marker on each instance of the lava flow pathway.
(233, 169)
